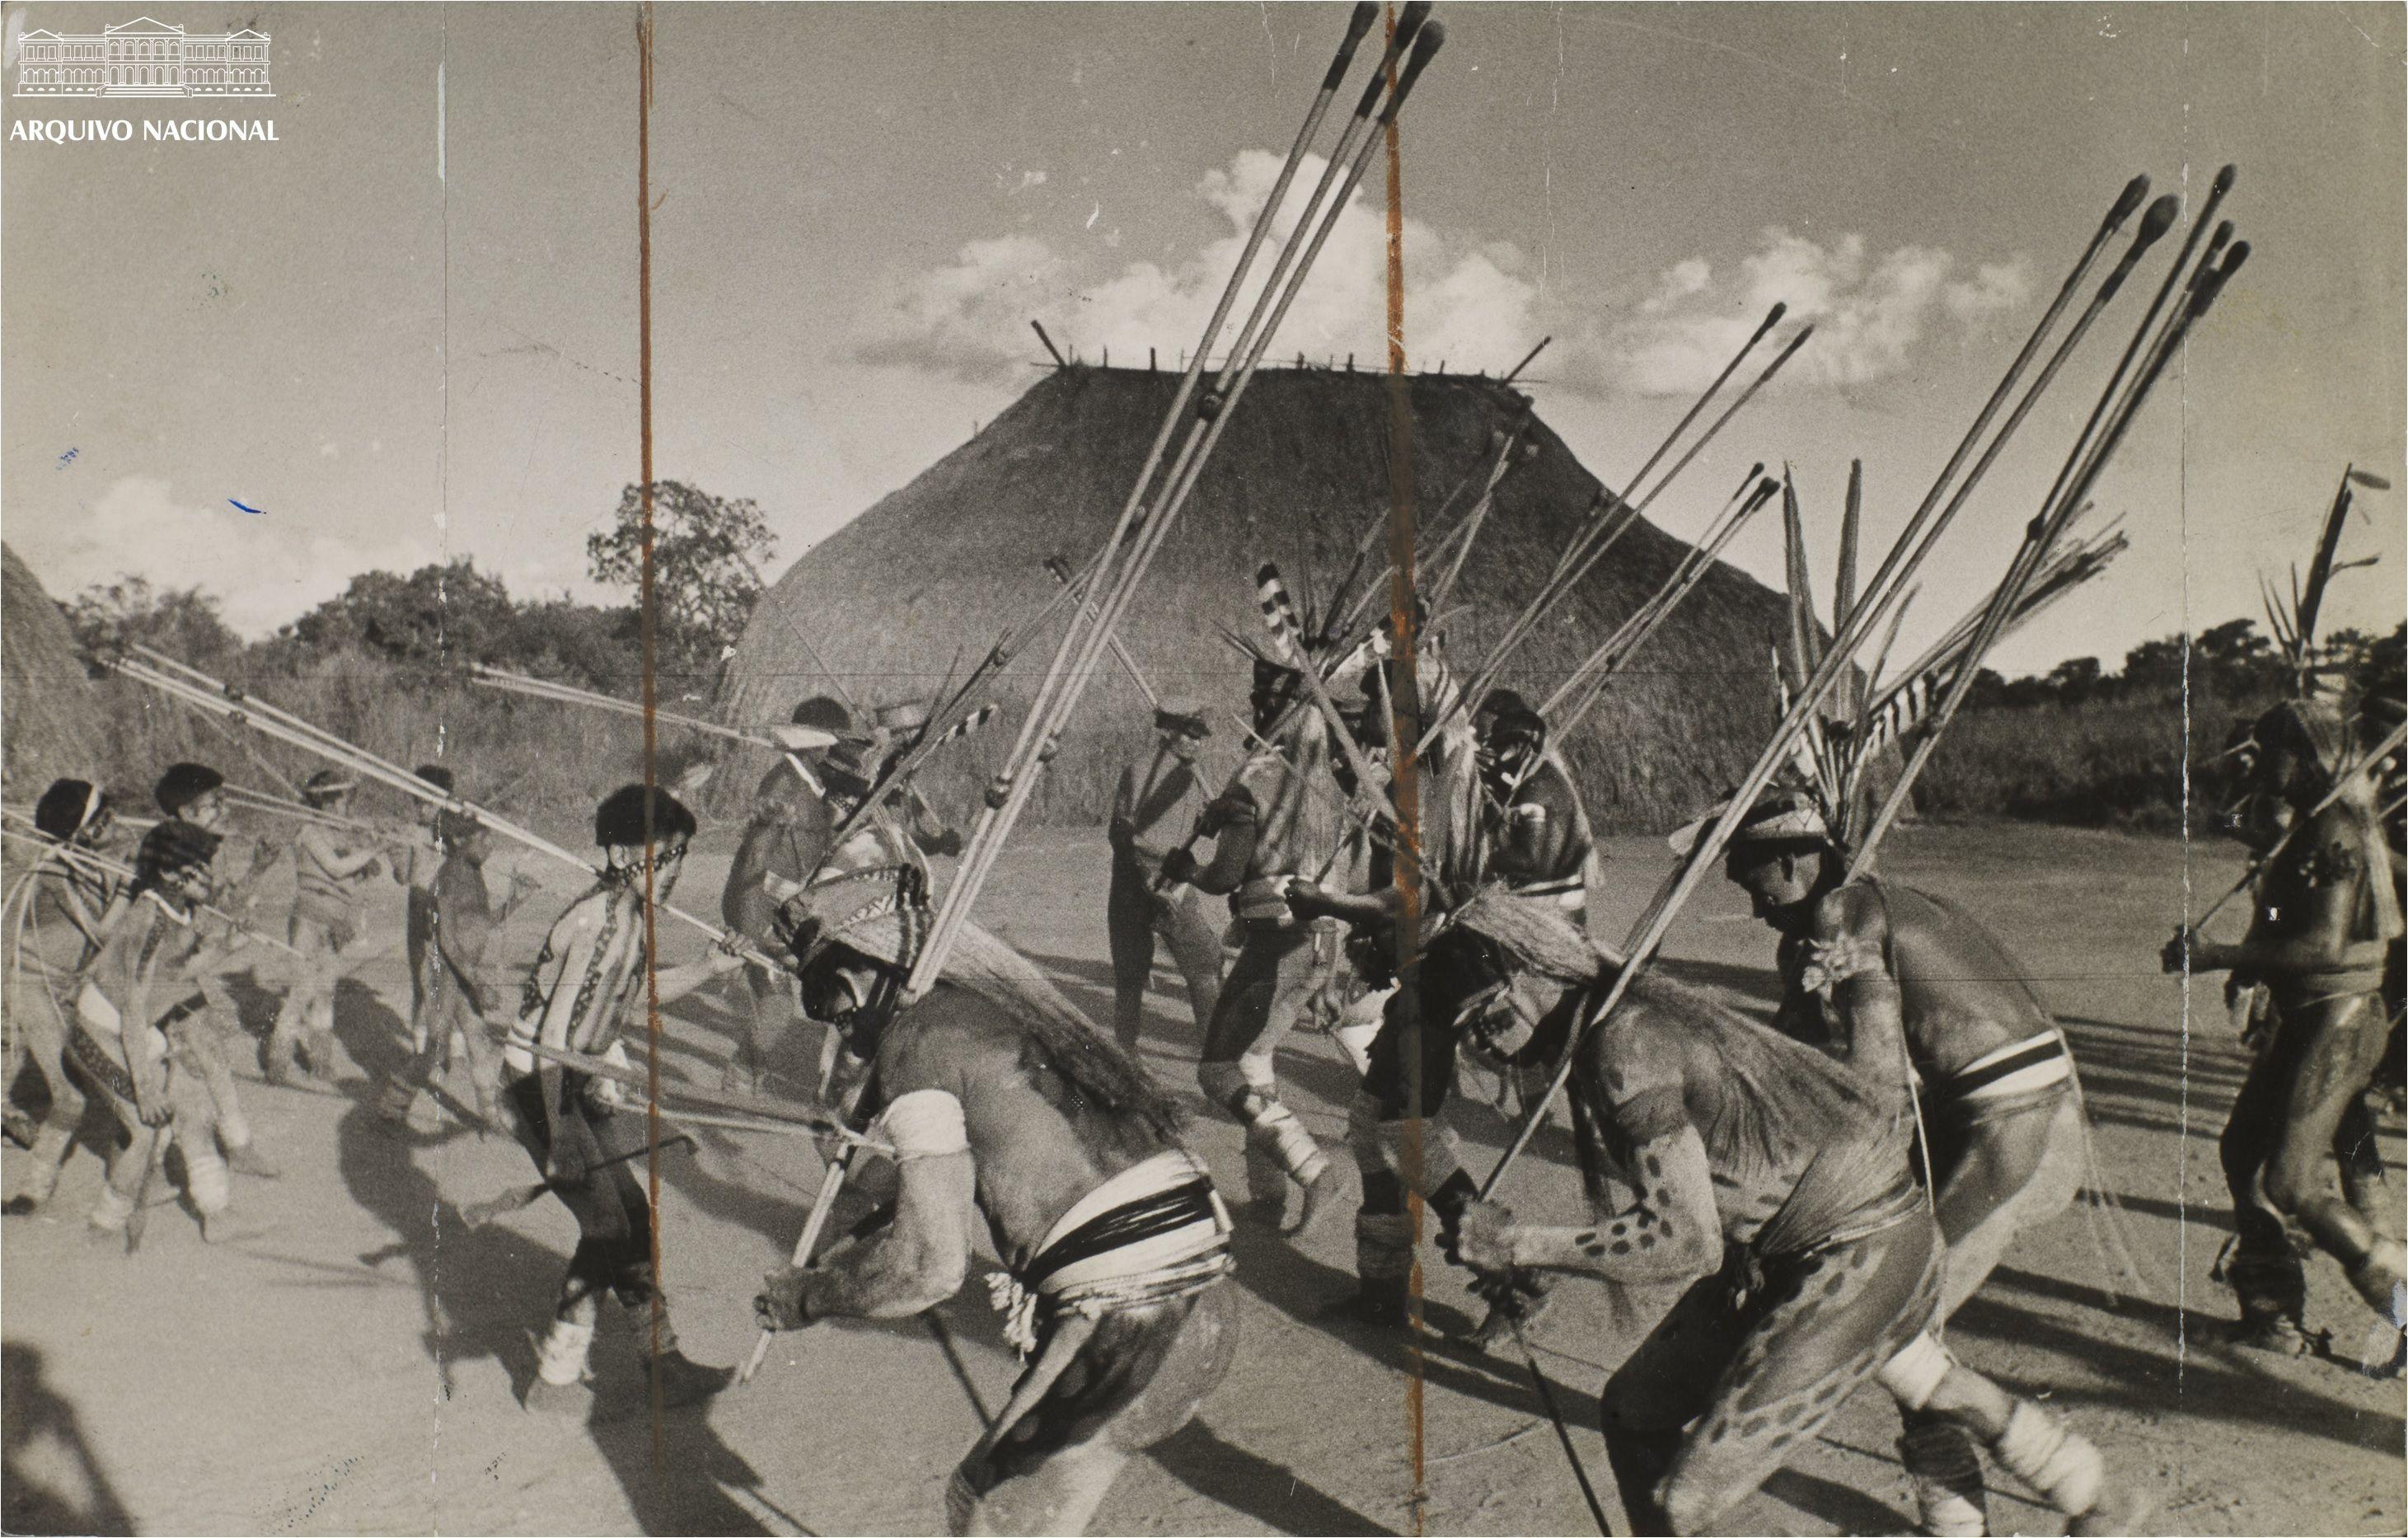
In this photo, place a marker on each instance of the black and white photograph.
(1064, 768)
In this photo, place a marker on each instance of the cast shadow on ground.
(1271, 1268)
(52, 1482)
(1254, 1486)
(2218, 1380)
(487, 1291)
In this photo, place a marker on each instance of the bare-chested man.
(68, 910)
(193, 794)
(2001, 1113)
(1774, 1181)
(576, 998)
(997, 1095)
(461, 928)
(421, 857)
(1536, 835)
(1154, 803)
(1275, 824)
(330, 866)
(135, 991)
(2325, 916)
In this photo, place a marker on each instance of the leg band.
(207, 1178)
(2059, 1464)
(110, 1214)
(1947, 1476)
(1298, 1152)
(1225, 1086)
(561, 1359)
(1440, 1157)
(2379, 1279)
(1913, 1377)
(1383, 1245)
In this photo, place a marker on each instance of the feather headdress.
(1875, 714)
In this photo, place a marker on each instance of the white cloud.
(1466, 303)
(1870, 314)
(265, 568)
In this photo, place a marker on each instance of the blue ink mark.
(68, 458)
(254, 511)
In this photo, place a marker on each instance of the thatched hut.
(932, 573)
(52, 726)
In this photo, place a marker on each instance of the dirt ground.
(350, 1360)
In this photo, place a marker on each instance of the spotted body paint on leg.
(1816, 1330)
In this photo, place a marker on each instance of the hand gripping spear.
(1897, 566)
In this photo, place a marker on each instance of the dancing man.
(2326, 914)
(1275, 823)
(66, 909)
(330, 866)
(576, 999)
(2000, 1106)
(998, 1097)
(1773, 1179)
(1153, 798)
(137, 989)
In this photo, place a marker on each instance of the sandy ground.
(350, 1360)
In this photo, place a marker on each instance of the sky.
(407, 330)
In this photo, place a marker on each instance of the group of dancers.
(1823, 1189)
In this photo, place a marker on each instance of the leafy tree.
(2075, 679)
(436, 614)
(2155, 666)
(183, 622)
(706, 554)
(2236, 660)
(577, 643)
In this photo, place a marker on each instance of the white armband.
(924, 1123)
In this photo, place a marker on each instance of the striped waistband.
(2018, 1068)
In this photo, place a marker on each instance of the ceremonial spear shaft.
(291, 730)
(1898, 565)
(1058, 702)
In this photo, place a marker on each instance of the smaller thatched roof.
(53, 725)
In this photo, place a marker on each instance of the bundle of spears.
(223, 702)
(2043, 567)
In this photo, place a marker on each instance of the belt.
(2019, 1067)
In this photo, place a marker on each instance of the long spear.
(1574, 571)
(94, 863)
(1897, 565)
(2072, 488)
(1075, 659)
(791, 739)
(281, 726)
(1587, 681)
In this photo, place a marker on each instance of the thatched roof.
(52, 726)
(940, 567)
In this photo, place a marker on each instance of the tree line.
(2233, 662)
(706, 557)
